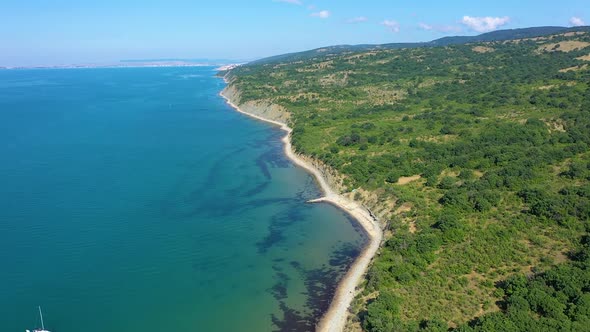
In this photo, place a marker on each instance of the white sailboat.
(42, 324)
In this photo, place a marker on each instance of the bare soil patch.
(408, 179)
(482, 49)
(564, 46)
(574, 68)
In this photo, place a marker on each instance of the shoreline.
(333, 320)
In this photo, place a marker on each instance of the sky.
(49, 32)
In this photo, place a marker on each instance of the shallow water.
(137, 200)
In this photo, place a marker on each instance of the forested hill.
(500, 35)
(477, 157)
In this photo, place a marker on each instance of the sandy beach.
(334, 319)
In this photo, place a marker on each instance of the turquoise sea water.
(137, 200)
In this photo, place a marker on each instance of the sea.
(135, 199)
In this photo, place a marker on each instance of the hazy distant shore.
(128, 64)
(335, 318)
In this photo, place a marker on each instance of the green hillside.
(500, 35)
(475, 155)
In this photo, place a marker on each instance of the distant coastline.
(334, 320)
(129, 64)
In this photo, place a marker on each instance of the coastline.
(334, 320)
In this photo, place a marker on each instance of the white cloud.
(485, 24)
(293, 2)
(577, 22)
(311, 7)
(439, 28)
(391, 25)
(358, 19)
(321, 14)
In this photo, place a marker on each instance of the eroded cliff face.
(263, 108)
(331, 176)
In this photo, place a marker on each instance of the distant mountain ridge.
(499, 35)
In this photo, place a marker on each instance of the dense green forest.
(477, 157)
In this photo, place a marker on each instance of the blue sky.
(38, 32)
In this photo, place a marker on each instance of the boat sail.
(42, 324)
